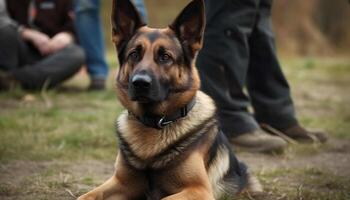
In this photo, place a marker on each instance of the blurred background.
(58, 144)
(302, 27)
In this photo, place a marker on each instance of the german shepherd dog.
(170, 146)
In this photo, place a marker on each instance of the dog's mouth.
(145, 97)
(142, 99)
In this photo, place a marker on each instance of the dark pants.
(32, 70)
(239, 67)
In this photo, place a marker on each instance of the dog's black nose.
(141, 81)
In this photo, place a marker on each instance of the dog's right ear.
(125, 22)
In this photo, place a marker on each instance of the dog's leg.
(191, 194)
(125, 184)
(192, 177)
(106, 189)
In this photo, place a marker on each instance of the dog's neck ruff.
(160, 122)
(145, 147)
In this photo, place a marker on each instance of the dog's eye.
(164, 58)
(134, 56)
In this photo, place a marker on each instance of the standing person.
(239, 52)
(90, 34)
(37, 43)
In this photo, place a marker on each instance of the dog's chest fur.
(145, 147)
(151, 150)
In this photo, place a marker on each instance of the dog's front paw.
(89, 197)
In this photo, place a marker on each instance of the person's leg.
(14, 53)
(224, 59)
(90, 34)
(267, 86)
(223, 65)
(8, 54)
(51, 70)
(9, 48)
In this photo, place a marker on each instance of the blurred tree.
(333, 20)
(312, 27)
(296, 29)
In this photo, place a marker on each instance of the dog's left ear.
(125, 22)
(189, 25)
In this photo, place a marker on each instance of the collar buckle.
(184, 111)
(162, 123)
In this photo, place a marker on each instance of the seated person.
(37, 43)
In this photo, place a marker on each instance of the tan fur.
(254, 185)
(124, 184)
(192, 178)
(128, 184)
(147, 142)
(217, 170)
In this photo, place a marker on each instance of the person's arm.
(61, 40)
(43, 42)
(40, 40)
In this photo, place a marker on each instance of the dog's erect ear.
(189, 25)
(125, 22)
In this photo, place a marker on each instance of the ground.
(61, 143)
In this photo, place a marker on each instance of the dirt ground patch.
(333, 157)
(23, 180)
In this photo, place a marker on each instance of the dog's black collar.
(160, 122)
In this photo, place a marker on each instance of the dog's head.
(157, 73)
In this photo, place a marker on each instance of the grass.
(32, 130)
(64, 140)
(320, 86)
(309, 183)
